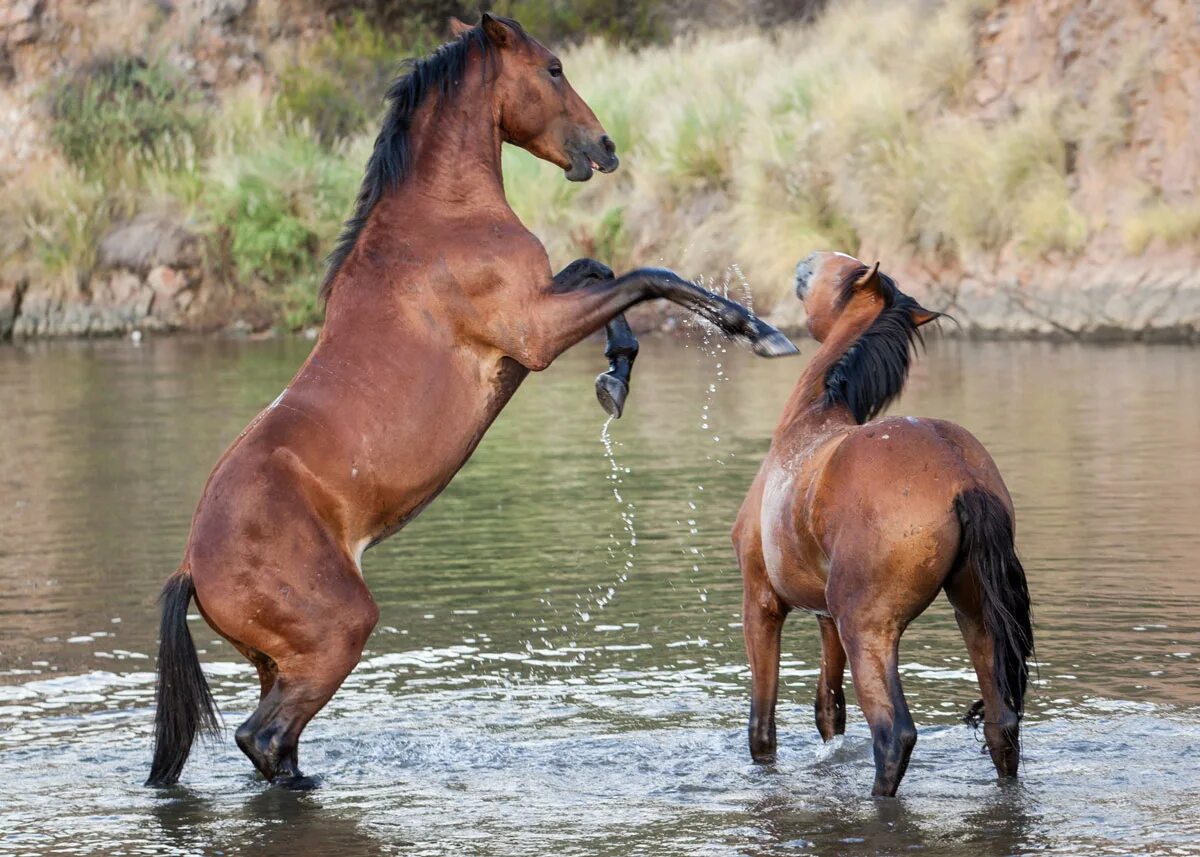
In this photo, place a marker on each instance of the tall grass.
(737, 147)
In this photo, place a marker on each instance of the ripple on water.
(489, 716)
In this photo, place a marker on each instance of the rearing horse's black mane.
(441, 72)
(874, 368)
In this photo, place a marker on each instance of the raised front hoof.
(769, 342)
(611, 393)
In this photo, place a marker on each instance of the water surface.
(558, 666)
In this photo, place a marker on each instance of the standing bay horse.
(439, 303)
(863, 523)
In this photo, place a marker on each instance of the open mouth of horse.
(600, 156)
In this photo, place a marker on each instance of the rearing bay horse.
(439, 303)
(864, 523)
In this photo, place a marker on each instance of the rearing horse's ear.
(498, 32)
(458, 27)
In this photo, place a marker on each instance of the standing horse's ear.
(921, 316)
(498, 32)
(458, 27)
(869, 280)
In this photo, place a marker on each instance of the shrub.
(123, 106)
(556, 22)
(338, 85)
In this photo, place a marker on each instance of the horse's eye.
(555, 70)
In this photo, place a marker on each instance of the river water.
(558, 668)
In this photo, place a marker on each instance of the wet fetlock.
(762, 740)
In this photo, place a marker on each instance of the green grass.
(737, 147)
(121, 108)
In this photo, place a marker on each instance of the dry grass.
(1175, 226)
(737, 147)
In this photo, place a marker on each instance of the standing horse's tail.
(184, 704)
(988, 550)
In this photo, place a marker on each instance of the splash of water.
(713, 346)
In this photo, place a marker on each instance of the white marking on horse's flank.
(353, 472)
(358, 552)
(885, 437)
(775, 495)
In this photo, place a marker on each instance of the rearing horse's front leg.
(558, 320)
(621, 349)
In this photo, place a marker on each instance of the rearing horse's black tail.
(184, 704)
(989, 552)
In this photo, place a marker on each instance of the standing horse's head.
(538, 109)
(836, 287)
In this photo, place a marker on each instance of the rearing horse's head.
(836, 287)
(538, 109)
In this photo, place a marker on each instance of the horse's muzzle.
(804, 272)
(588, 156)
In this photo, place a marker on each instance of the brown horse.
(439, 303)
(863, 523)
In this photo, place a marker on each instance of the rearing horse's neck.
(456, 149)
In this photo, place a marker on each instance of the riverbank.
(1003, 173)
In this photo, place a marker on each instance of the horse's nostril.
(608, 144)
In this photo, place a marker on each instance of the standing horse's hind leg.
(830, 705)
(874, 656)
(1001, 726)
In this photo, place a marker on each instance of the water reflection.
(540, 683)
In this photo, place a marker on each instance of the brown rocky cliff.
(1147, 54)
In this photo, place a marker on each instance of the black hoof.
(611, 393)
(296, 782)
(769, 342)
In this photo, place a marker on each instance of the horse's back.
(885, 502)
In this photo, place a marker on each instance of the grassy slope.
(737, 148)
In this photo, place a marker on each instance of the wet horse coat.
(863, 523)
(440, 302)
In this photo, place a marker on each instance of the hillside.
(1032, 166)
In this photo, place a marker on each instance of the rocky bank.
(150, 272)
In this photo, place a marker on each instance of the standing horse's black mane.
(441, 72)
(872, 372)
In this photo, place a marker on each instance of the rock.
(20, 21)
(148, 241)
(10, 305)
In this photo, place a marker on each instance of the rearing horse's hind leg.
(1001, 726)
(874, 651)
(323, 641)
(830, 705)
